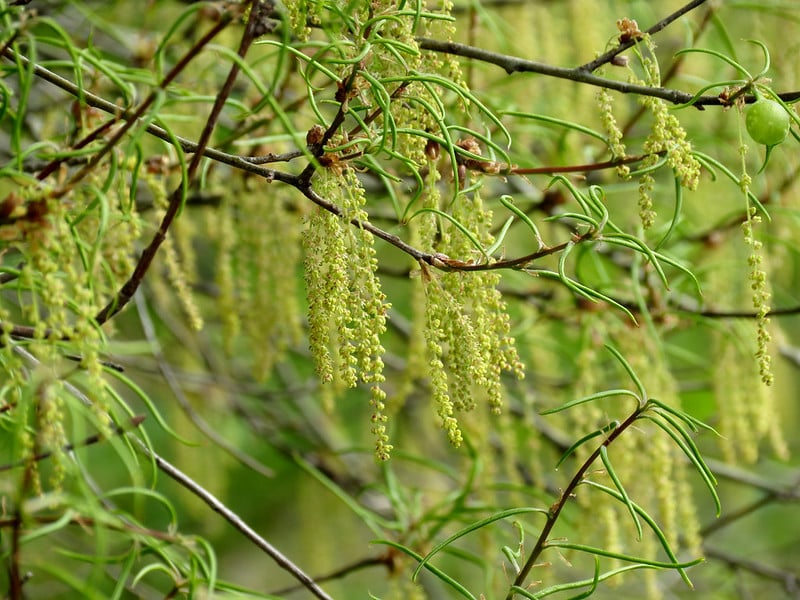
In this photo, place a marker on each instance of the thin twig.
(789, 580)
(195, 488)
(514, 64)
(172, 381)
(555, 510)
(187, 482)
(364, 563)
(175, 202)
(609, 56)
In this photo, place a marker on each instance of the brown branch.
(176, 198)
(609, 56)
(513, 64)
(789, 580)
(149, 330)
(742, 314)
(566, 494)
(385, 559)
(203, 494)
(98, 131)
(17, 579)
(595, 166)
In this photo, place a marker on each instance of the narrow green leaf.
(629, 241)
(471, 528)
(589, 436)
(676, 214)
(594, 582)
(437, 572)
(508, 202)
(730, 175)
(151, 407)
(371, 519)
(626, 557)
(584, 291)
(458, 225)
(719, 55)
(559, 122)
(562, 587)
(653, 526)
(618, 484)
(697, 460)
(590, 398)
(501, 236)
(589, 220)
(631, 373)
(691, 421)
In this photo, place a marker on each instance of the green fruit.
(767, 122)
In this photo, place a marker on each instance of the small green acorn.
(767, 122)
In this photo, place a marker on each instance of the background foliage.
(401, 300)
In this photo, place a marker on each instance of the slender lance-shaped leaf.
(429, 567)
(467, 233)
(625, 365)
(589, 436)
(693, 422)
(508, 202)
(688, 447)
(590, 398)
(618, 484)
(585, 291)
(563, 587)
(500, 236)
(651, 523)
(626, 557)
(473, 527)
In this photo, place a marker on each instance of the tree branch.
(609, 56)
(195, 488)
(175, 202)
(513, 64)
(789, 580)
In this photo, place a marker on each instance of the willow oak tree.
(366, 272)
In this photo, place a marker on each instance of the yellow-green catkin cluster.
(116, 229)
(761, 295)
(301, 14)
(643, 448)
(180, 266)
(668, 490)
(346, 306)
(258, 258)
(605, 523)
(605, 103)
(466, 322)
(748, 414)
(667, 137)
(61, 301)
